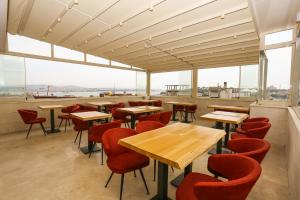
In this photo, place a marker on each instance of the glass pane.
(279, 72)
(61, 52)
(171, 83)
(12, 76)
(141, 80)
(114, 63)
(249, 81)
(279, 37)
(96, 59)
(211, 81)
(27, 45)
(68, 79)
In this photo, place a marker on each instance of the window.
(74, 80)
(96, 59)
(278, 73)
(249, 81)
(171, 83)
(65, 53)
(141, 81)
(279, 37)
(27, 45)
(211, 81)
(12, 76)
(118, 64)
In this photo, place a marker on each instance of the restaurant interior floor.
(53, 168)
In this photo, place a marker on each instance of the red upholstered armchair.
(67, 117)
(242, 173)
(252, 130)
(192, 110)
(257, 119)
(153, 117)
(121, 160)
(31, 117)
(133, 103)
(84, 108)
(79, 126)
(165, 117)
(180, 109)
(252, 147)
(95, 134)
(118, 115)
(157, 103)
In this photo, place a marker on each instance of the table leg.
(88, 149)
(162, 182)
(52, 123)
(218, 150)
(186, 114)
(176, 181)
(133, 118)
(227, 126)
(174, 114)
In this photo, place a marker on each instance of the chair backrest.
(70, 109)
(153, 117)
(84, 108)
(157, 103)
(191, 108)
(27, 115)
(98, 130)
(179, 107)
(256, 129)
(132, 103)
(252, 147)
(118, 114)
(79, 124)
(110, 140)
(257, 119)
(165, 117)
(242, 173)
(148, 126)
(121, 105)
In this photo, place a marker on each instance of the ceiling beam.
(3, 24)
(25, 16)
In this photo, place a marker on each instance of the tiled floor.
(53, 168)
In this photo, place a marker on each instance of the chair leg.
(102, 154)
(79, 139)
(43, 128)
(154, 167)
(93, 146)
(194, 115)
(121, 188)
(66, 125)
(141, 171)
(76, 137)
(28, 131)
(60, 123)
(69, 122)
(134, 173)
(109, 179)
(172, 169)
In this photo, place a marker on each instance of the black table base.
(86, 150)
(176, 181)
(50, 131)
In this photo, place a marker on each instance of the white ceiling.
(150, 34)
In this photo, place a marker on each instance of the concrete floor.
(51, 167)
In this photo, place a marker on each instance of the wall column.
(148, 83)
(3, 24)
(194, 83)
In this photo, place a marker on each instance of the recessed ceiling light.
(50, 30)
(86, 41)
(223, 16)
(199, 44)
(127, 45)
(151, 8)
(234, 36)
(99, 34)
(121, 23)
(179, 29)
(58, 20)
(76, 2)
(150, 37)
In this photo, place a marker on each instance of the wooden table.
(176, 145)
(238, 109)
(133, 111)
(52, 120)
(175, 103)
(228, 118)
(90, 117)
(99, 105)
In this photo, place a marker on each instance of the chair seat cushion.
(237, 136)
(37, 120)
(186, 188)
(127, 162)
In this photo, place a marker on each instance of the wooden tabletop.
(101, 103)
(230, 108)
(48, 107)
(181, 103)
(177, 144)
(145, 100)
(140, 109)
(225, 117)
(92, 115)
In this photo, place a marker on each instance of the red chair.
(67, 117)
(133, 103)
(95, 134)
(192, 110)
(153, 117)
(157, 103)
(31, 117)
(118, 115)
(84, 108)
(257, 119)
(242, 173)
(252, 147)
(79, 126)
(180, 109)
(252, 130)
(145, 126)
(121, 160)
(165, 117)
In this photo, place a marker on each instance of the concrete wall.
(10, 121)
(293, 154)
